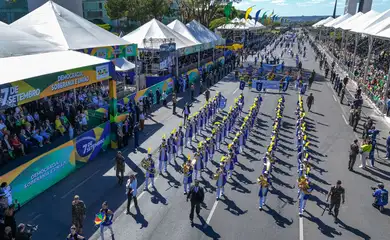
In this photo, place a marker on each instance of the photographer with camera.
(381, 196)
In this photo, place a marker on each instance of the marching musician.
(198, 164)
(172, 146)
(218, 137)
(210, 148)
(240, 137)
(194, 126)
(305, 191)
(235, 150)
(180, 140)
(220, 177)
(163, 156)
(188, 132)
(204, 153)
(264, 181)
(199, 121)
(204, 117)
(150, 170)
(187, 174)
(228, 162)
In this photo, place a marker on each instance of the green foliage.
(137, 10)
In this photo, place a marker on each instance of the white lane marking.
(334, 98)
(301, 228)
(211, 214)
(80, 184)
(235, 90)
(345, 119)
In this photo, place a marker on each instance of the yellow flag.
(248, 11)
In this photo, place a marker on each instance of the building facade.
(75, 6)
(350, 6)
(95, 11)
(365, 6)
(11, 10)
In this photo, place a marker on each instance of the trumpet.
(186, 168)
(262, 181)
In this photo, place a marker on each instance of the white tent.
(344, 23)
(384, 34)
(17, 43)
(1, 23)
(181, 28)
(371, 22)
(379, 27)
(338, 20)
(122, 65)
(24, 67)
(233, 26)
(251, 24)
(325, 21)
(317, 23)
(203, 34)
(154, 33)
(57, 25)
(361, 19)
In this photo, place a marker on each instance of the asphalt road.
(164, 212)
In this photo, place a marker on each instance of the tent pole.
(354, 55)
(386, 92)
(370, 43)
(334, 43)
(177, 65)
(137, 79)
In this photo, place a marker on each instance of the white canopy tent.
(154, 33)
(338, 20)
(203, 34)
(317, 23)
(371, 22)
(36, 65)
(325, 21)
(181, 28)
(17, 43)
(359, 20)
(379, 27)
(67, 30)
(1, 23)
(122, 65)
(384, 33)
(344, 23)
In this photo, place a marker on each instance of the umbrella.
(99, 218)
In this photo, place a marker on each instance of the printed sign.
(24, 91)
(242, 85)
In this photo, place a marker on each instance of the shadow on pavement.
(279, 219)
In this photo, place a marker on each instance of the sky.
(304, 7)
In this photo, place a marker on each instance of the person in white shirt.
(6, 192)
(131, 191)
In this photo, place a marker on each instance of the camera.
(374, 188)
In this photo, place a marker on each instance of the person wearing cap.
(78, 213)
(196, 196)
(73, 235)
(119, 167)
(336, 194)
(264, 182)
(163, 156)
(180, 140)
(150, 172)
(220, 178)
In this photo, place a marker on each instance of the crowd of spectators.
(374, 84)
(35, 124)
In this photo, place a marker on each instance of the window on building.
(100, 6)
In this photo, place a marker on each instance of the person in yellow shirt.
(59, 125)
(365, 149)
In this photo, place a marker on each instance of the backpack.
(384, 197)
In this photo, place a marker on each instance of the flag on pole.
(264, 17)
(248, 11)
(257, 16)
(228, 10)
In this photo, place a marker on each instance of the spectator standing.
(131, 191)
(136, 136)
(119, 167)
(158, 96)
(107, 223)
(142, 121)
(353, 152)
(74, 235)
(78, 213)
(174, 102)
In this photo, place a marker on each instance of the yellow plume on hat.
(164, 136)
(200, 144)
(230, 146)
(180, 124)
(173, 131)
(214, 131)
(189, 157)
(149, 150)
(223, 159)
(236, 100)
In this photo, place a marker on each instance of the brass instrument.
(262, 181)
(145, 164)
(217, 174)
(186, 168)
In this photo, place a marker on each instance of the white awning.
(122, 65)
(359, 20)
(371, 22)
(65, 29)
(344, 23)
(338, 20)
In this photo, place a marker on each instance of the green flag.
(228, 10)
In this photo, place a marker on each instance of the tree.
(220, 18)
(137, 10)
(203, 11)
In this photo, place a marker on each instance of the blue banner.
(269, 67)
(152, 80)
(242, 85)
(222, 103)
(266, 84)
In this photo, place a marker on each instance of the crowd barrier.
(42, 172)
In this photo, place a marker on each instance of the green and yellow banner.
(24, 91)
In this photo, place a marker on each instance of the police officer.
(353, 152)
